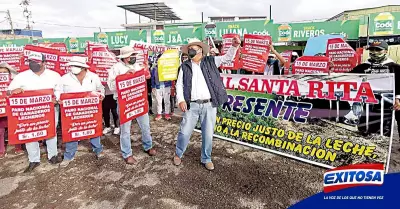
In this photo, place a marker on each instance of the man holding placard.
(38, 78)
(81, 80)
(128, 65)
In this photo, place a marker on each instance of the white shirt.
(119, 69)
(199, 85)
(269, 70)
(91, 82)
(28, 80)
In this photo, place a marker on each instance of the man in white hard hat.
(80, 79)
(38, 78)
(128, 64)
(199, 92)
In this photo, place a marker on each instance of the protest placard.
(81, 116)
(132, 96)
(311, 65)
(11, 55)
(342, 55)
(4, 82)
(255, 52)
(51, 56)
(257, 44)
(62, 47)
(168, 65)
(102, 59)
(287, 55)
(227, 40)
(31, 116)
(326, 120)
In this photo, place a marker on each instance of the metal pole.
(202, 17)
(368, 22)
(11, 23)
(270, 12)
(126, 18)
(382, 112)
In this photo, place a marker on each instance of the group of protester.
(199, 91)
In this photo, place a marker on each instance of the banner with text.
(311, 65)
(132, 96)
(327, 120)
(102, 59)
(81, 116)
(51, 56)
(287, 55)
(168, 65)
(226, 44)
(255, 52)
(11, 55)
(342, 55)
(5, 80)
(31, 116)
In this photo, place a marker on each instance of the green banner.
(119, 39)
(258, 27)
(77, 44)
(52, 40)
(304, 31)
(158, 37)
(384, 24)
(289, 32)
(180, 36)
(14, 42)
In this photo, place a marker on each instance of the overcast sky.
(47, 14)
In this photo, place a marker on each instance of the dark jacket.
(388, 66)
(155, 82)
(212, 77)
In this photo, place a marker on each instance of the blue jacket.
(155, 83)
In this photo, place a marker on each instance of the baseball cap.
(379, 44)
(37, 56)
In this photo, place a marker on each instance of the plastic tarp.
(318, 44)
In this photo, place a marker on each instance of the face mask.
(76, 70)
(377, 56)
(192, 53)
(34, 66)
(269, 61)
(132, 60)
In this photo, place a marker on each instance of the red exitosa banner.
(311, 65)
(81, 116)
(132, 96)
(31, 116)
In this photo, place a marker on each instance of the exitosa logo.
(353, 176)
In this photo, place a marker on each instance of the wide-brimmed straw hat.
(195, 42)
(126, 52)
(9, 68)
(78, 61)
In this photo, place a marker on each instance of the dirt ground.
(243, 178)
